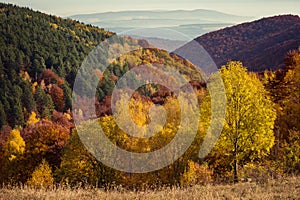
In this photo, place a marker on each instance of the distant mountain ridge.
(190, 22)
(260, 45)
(207, 15)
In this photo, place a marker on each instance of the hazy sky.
(256, 8)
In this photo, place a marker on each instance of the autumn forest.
(40, 145)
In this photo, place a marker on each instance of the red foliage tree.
(57, 95)
(45, 139)
(61, 119)
(50, 77)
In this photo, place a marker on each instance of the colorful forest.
(40, 147)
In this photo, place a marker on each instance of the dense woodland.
(253, 42)
(39, 145)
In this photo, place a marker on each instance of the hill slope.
(39, 58)
(260, 45)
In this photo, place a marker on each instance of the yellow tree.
(32, 119)
(13, 150)
(15, 145)
(42, 176)
(248, 129)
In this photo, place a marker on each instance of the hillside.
(39, 58)
(260, 45)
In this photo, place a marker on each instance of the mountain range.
(250, 42)
(189, 22)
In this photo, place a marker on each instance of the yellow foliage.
(2, 10)
(12, 157)
(53, 25)
(68, 116)
(196, 174)
(73, 32)
(32, 119)
(25, 76)
(15, 145)
(29, 16)
(139, 111)
(42, 176)
(33, 87)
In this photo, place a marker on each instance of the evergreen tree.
(67, 96)
(2, 115)
(27, 97)
(44, 103)
(16, 107)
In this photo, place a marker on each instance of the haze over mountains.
(190, 22)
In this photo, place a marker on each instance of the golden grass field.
(288, 188)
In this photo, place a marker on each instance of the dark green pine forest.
(36, 47)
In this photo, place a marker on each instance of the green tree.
(16, 111)
(2, 115)
(27, 97)
(44, 103)
(38, 66)
(67, 96)
(248, 129)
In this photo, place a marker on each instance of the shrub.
(196, 174)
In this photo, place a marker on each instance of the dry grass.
(276, 189)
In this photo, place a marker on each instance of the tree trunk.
(235, 171)
(235, 165)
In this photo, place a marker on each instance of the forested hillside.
(36, 48)
(260, 45)
(41, 147)
(40, 56)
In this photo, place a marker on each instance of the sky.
(255, 8)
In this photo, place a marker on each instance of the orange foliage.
(45, 139)
(57, 95)
(50, 77)
(62, 119)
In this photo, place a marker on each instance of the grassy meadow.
(285, 188)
